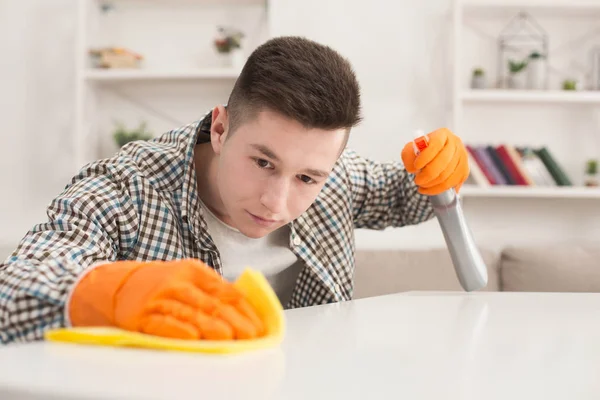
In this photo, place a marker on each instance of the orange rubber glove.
(183, 299)
(443, 165)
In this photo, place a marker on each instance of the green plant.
(569, 84)
(122, 135)
(478, 72)
(591, 167)
(516, 66)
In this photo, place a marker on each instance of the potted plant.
(591, 173)
(228, 44)
(535, 71)
(478, 79)
(517, 77)
(122, 135)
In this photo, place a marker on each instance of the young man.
(265, 182)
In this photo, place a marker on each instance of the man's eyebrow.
(265, 151)
(317, 172)
(270, 154)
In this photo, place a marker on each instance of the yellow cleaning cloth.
(254, 286)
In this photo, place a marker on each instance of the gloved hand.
(444, 164)
(183, 299)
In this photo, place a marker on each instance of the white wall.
(36, 109)
(402, 55)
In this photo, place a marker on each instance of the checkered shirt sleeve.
(92, 221)
(384, 194)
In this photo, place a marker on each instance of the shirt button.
(297, 241)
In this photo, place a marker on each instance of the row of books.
(512, 165)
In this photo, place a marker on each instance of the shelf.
(560, 192)
(530, 96)
(575, 8)
(140, 74)
(185, 2)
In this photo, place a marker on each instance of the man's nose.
(275, 195)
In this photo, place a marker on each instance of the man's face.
(272, 169)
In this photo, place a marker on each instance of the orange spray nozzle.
(420, 143)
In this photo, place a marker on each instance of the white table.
(407, 346)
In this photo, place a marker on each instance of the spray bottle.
(468, 263)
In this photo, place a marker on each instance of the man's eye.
(307, 179)
(262, 163)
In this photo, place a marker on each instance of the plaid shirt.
(142, 204)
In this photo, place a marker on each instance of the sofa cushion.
(380, 272)
(551, 268)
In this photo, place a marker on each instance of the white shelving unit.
(509, 8)
(94, 75)
(529, 96)
(502, 99)
(183, 20)
(530, 192)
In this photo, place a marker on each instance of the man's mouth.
(262, 221)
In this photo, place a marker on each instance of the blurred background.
(519, 82)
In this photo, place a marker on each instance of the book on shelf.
(510, 165)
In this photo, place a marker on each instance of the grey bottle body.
(468, 263)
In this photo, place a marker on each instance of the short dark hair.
(299, 79)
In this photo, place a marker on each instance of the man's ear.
(219, 128)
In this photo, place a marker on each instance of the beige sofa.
(550, 268)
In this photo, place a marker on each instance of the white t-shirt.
(270, 254)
